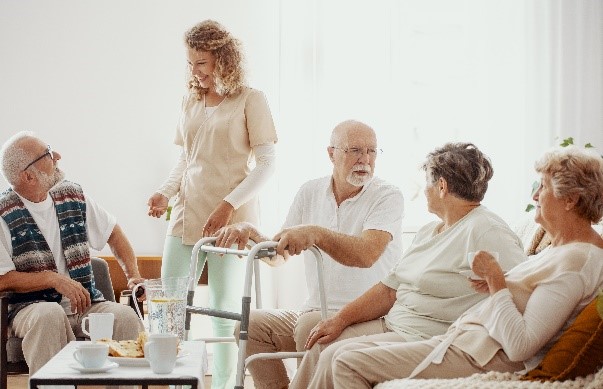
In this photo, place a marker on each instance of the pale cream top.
(430, 292)
(218, 150)
(543, 297)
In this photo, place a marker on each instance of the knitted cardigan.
(31, 252)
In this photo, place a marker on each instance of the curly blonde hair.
(576, 171)
(229, 74)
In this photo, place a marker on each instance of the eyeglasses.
(47, 153)
(358, 152)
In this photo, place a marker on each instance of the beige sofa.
(534, 240)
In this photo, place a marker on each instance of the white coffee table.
(189, 370)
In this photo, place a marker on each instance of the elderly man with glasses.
(47, 225)
(354, 218)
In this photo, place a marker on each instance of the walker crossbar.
(279, 355)
(259, 250)
(214, 312)
(223, 250)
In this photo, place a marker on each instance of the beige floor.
(20, 382)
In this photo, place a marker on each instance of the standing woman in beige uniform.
(224, 126)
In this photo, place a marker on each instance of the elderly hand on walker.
(238, 233)
(294, 240)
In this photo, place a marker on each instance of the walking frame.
(257, 251)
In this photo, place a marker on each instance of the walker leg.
(246, 305)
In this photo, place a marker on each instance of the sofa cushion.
(577, 353)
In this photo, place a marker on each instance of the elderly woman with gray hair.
(425, 292)
(526, 309)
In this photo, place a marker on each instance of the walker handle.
(135, 293)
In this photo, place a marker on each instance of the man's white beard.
(359, 180)
(48, 181)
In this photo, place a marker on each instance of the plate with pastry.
(130, 352)
(139, 361)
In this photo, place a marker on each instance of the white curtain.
(422, 73)
(513, 77)
(565, 67)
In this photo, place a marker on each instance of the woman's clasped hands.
(487, 267)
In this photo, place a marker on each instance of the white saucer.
(470, 274)
(108, 366)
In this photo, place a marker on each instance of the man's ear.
(331, 150)
(26, 177)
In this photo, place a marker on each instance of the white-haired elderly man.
(47, 225)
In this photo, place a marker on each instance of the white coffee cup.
(471, 257)
(91, 355)
(161, 351)
(100, 325)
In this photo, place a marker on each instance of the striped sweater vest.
(31, 252)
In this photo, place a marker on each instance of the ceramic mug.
(100, 325)
(161, 350)
(91, 355)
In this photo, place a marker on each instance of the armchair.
(11, 355)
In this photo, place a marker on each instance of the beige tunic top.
(218, 157)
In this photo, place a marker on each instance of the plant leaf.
(567, 141)
(530, 207)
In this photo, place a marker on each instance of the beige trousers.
(375, 359)
(275, 330)
(46, 329)
(307, 367)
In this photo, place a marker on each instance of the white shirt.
(378, 206)
(430, 292)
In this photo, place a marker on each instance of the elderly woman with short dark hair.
(425, 292)
(526, 309)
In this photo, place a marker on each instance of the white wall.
(102, 82)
